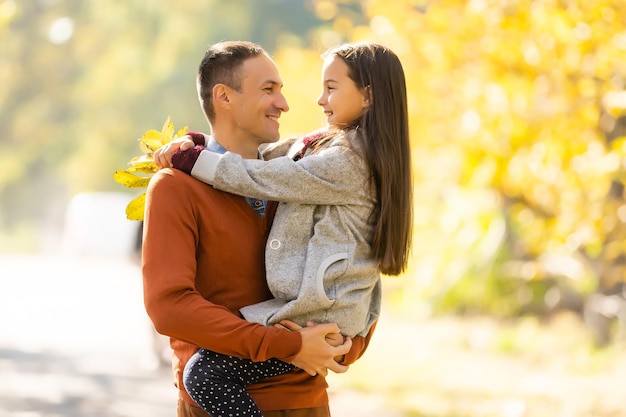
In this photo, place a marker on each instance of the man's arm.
(172, 300)
(178, 310)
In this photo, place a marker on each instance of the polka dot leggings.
(217, 382)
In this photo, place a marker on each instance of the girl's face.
(342, 101)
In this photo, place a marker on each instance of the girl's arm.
(335, 176)
(278, 149)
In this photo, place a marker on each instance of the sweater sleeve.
(174, 305)
(336, 176)
(359, 345)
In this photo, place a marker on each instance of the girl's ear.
(367, 96)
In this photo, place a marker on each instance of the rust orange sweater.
(203, 259)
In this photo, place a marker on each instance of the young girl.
(344, 215)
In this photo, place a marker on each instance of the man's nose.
(281, 103)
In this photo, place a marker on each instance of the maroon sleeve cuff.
(198, 138)
(185, 160)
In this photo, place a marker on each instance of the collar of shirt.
(258, 205)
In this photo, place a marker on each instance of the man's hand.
(163, 155)
(317, 355)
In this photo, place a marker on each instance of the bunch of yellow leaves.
(141, 168)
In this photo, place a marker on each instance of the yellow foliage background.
(516, 115)
(516, 112)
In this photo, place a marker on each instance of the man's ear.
(221, 95)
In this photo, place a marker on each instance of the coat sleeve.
(335, 176)
(278, 149)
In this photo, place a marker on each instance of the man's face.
(259, 104)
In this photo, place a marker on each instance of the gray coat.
(318, 260)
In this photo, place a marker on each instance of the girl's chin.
(333, 125)
(331, 122)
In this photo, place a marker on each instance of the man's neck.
(244, 146)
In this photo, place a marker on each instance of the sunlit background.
(514, 302)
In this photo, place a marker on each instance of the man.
(203, 251)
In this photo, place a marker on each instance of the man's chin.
(272, 138)
(265, 140)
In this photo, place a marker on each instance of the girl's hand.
(288, 325)
(333, 339)
(316, 356)
(163, 155)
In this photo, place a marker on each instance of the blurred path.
(75, 340)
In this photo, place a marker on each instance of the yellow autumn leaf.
(149, 142)
(143, 164)
(135, 209)
(152, 140)
(167, 131)
(619, 145)
(181, 132)
(130, 180)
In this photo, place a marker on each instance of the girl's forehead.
(335, 66)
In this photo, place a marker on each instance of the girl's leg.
(217, 382)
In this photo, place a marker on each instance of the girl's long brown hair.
(385, 130)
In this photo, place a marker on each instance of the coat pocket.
(329, 270)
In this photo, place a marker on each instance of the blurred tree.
(82, 79)
(517, 118)
(517, 113)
